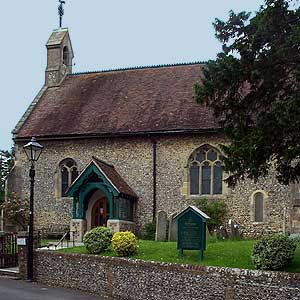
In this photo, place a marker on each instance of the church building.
(121, 145)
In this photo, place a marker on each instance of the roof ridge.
(102, 161)
(140, 68)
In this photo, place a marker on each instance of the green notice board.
(191, 230)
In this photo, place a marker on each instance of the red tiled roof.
(124, 101)
(114, 177)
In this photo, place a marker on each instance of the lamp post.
(33, 151)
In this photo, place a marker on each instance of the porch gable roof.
(106, 171)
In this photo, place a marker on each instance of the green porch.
(101, 197)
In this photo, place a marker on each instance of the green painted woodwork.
(191, 231)
(74, 209)
(93, 186)
(84, 177)
(81, 188)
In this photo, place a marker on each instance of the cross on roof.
(61, 11)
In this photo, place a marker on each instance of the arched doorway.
(100, 213)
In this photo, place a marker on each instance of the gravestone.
(191, 230)
(161, 226)
(223, 234)
(172, 236)
(234, 229)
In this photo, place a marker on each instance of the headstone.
(161, 226)
(234, 230)
(223, 233)
(172, 228)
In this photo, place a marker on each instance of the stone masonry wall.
(172, 187)
(138, 280)
(132, 157)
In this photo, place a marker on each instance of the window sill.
(212, 197)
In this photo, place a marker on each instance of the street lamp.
(33, 151)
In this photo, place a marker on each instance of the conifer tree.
(253, 88)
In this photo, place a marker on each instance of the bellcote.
(59, 57)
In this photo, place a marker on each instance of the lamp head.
(33, 150)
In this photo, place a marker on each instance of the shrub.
(273, 252)
(125, 243)
(216, 209)
(98, 239)
(149, 231)
(295, 237)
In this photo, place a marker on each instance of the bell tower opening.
(66, 56)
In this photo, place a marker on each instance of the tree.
(16, 210)
(253, 88)
(6, 163)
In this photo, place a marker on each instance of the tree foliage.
(217, 210)
(6, 163)
(253, 88)
(16, 210)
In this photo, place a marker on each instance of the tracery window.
(68, 173)
(206, 174)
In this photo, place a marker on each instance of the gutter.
(118, 134)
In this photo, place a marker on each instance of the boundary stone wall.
(132, 279)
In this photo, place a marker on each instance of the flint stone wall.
(133, 158)
(138, 280)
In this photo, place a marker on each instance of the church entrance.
(100, 213)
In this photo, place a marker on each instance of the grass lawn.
(234, 254)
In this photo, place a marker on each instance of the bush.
(273, 252)
(149, 231)
(98, 239)
(295, 237)
(125, 243)
(217, 211)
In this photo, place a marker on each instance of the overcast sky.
(105, 35)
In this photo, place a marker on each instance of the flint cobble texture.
(138, 280)
(133, 159)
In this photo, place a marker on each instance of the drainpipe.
(154, 153)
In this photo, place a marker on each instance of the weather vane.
(61, 11)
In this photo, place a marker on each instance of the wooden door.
(100, 213)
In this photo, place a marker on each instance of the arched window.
(68, 173)
(66, 56)
(206, 174)
(258, 207)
